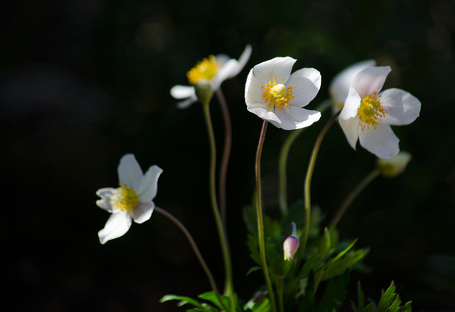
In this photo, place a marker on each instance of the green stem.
(283, 204)
(219, 224)
(196, 251)
(352, 195)
(260, 218)
(309, 174)
(226, 153)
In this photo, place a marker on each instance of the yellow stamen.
(124, 199)
(277, 95)
(207, 69)
(370, 111)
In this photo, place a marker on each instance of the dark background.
(84, 82)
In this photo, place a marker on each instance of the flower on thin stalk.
(132, 200)
(215, 69)
(291, 244)
(273, 94)
(368, 113)
(339, 87)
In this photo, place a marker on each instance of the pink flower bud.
(290, 246)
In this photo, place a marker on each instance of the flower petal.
(351, 106)
(143, 211)
(351, 130)
(105, 201)
(149, 184)
(182, 92)
(370, 79)
(129, 172)
(266, 115)
(278, 67)
(401, 106)
(253, 92)
(117, 225)
(341, 83)
(305, 83)
(380, 141)
(296, 117)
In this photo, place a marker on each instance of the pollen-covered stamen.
(124, 199)
(277, 95)
(207, 69)
(370, 111)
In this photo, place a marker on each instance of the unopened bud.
(204, 91)
(394, 166)
(291, 244)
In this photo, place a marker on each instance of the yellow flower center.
(207, 69)
(370, 111)
(124, 199)
(277, 95)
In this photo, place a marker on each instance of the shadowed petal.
(351, 130)
(305, 83)
(129, 172)
(380, 141)
(143, 211)
(370, 80)
(117, 225)
(296, 117)
(401, 106)
(149, 184)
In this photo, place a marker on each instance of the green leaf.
(183, 300)
(338, 265)
(334, 294)
(211, 296)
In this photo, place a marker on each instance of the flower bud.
(291, 244)
(204, 91)
(394, 166)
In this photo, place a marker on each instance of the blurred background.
(84, 82)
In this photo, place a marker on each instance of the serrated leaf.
(334, 294)
(337, 267)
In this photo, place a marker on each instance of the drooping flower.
(291, 244)
(215, 69)
(273, 94)
(339, 87)
(132, 200)
(368, 113)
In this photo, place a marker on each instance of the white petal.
(351, 130)
(266, 115)
(370, 80)
(341, 83)
(182, 92)
(143, 211)
(351, 106)
(253, 92)
(401, 106)
(278, 67)
(129, 172)
(105, 201)
(380, 141)
(187, 102)
(243, 59)
(149, 184)
(305, 83)
(117, 225)
(296, 117)
(225, 72)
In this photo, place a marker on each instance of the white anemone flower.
(273, 94)
(368, 113)
(131, 201)
(215, 69)
(339, 87)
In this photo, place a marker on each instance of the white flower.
(368, 113)
(131, 201)
(339, 87)
(272, 93)
(214, 69)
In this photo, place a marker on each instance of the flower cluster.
(293, 263)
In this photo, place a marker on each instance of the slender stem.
(219, 224)
(226, 153)
(283, 204)
(309, 174)
(260, 218)
(196, 251)
(352, 195)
